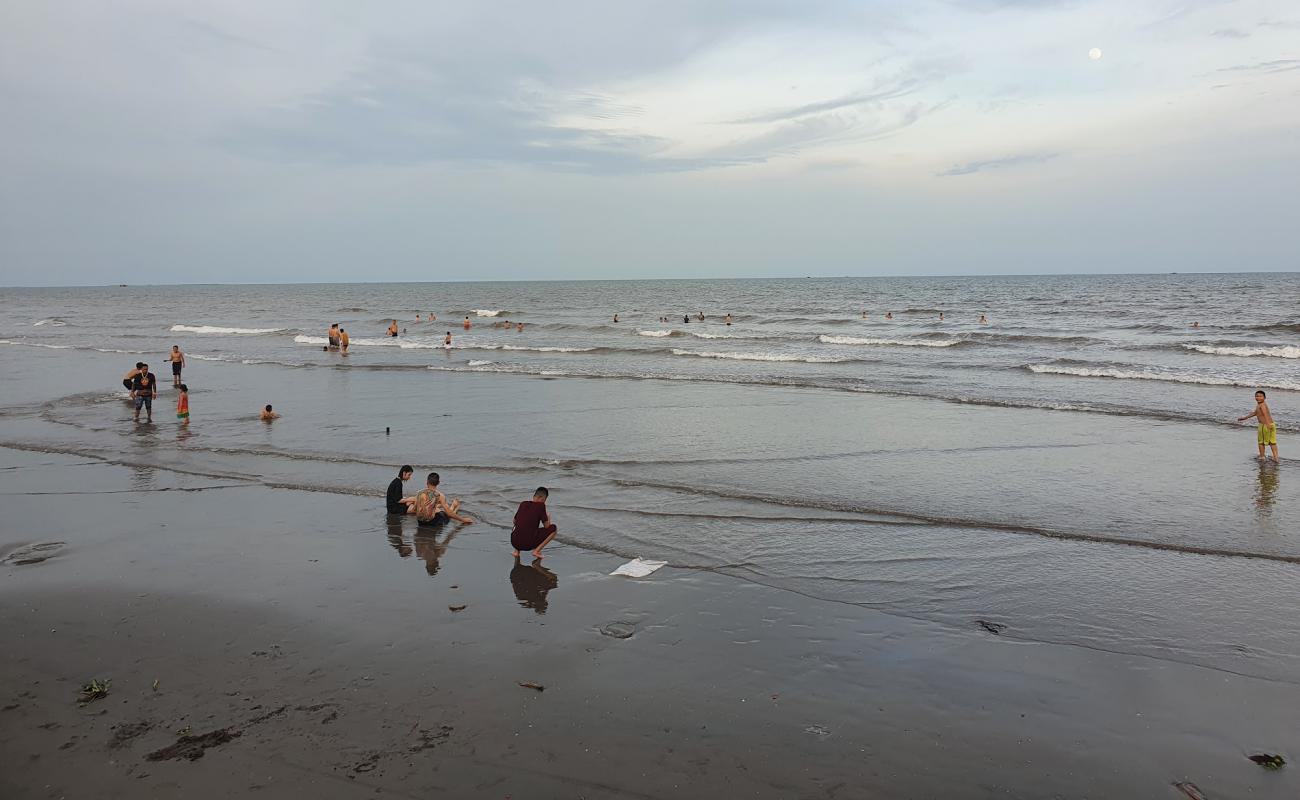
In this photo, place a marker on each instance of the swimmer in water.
(343, 340)
(465, 324)
(616, 317)
(889, 315)
(392, 329)
(446, 342)
(519, 328)
(983, 319)
(269, 413)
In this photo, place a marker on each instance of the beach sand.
(306, 651)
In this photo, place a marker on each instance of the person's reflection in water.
(1266, 491)
(397, 537)
(532, 582)
(429, 548)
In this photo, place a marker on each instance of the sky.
(147, 141)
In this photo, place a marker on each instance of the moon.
(1095, 54)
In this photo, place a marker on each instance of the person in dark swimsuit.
(396, 502)
(130, 376)
(533, 527)
(144, 388)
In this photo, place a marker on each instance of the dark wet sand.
(308, 650)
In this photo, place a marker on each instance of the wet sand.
(305, 647)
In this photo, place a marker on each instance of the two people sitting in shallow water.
(533, 528)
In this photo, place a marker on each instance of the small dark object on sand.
(457, 608)
(1189, 789)
(94, 690)
(191, 748)
(1268, 761)
(531, 685)
(995, 628)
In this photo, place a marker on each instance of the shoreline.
(335, 669)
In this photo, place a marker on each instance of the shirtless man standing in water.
(177, 359)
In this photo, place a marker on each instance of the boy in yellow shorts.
(1267, 427)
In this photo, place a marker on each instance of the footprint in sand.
(32, 553)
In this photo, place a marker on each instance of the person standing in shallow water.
(177, 359)
(144, 388)
(1267, 434)
(533, 528)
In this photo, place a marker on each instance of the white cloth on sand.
(637, 568)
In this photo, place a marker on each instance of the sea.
(1042, 458)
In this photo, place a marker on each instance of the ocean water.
(1070, 469)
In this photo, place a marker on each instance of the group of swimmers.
(533, 528)
(142, 386)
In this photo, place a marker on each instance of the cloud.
(1023, 159)
(1279, 65)
(1230, 33)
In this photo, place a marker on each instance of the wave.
(484, 312)
(76, 347)
(39, 344)
(479, 363)
(53, 322)
(889, 342)
(1149, 375)
(216, 329)
(760, 356)
(999, 338)
(1282, 351)
(733, 335)
(659, 333)
(532, 349)
(352, 309)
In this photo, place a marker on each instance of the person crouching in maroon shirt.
(533, 527)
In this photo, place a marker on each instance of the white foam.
(534, 349)
(656, 333)
(220, 330)
(760, 356)
(1283, 351)
(729, 336)
(405, 343)
(57, 323)
(1146, 375)
(889, 342)
(479, 363)
(484, 312)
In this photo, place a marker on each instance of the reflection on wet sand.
(1266, 490)
(532, 582)
(397, 536)
(429, 548)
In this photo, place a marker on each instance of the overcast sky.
(306, 140)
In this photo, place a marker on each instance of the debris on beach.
(995, 628)
(457, 608)
(638, 568)
(618, 629)
(1268, 761)
(191, 748)
(94, 690)
(1189, 789)
(155, 684)
(531, 685)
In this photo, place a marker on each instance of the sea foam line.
(217, 329)
(889, 342)
(1282, 351)
(759, 356)
(1146, 375)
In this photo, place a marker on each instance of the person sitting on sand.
(533, 527)
(392, 329)
(396, 503)
(1267, 434)
(431, 506)
(269, 413)
(177, 359)
(144, 388)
